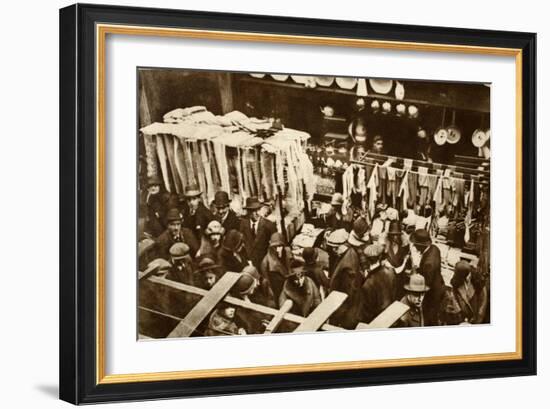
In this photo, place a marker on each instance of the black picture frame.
(78, 313)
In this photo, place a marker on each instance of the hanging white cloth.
(161, 153)
(404, 190)
(468, 219)
(372, 187)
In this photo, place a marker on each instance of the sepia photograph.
(275, 203)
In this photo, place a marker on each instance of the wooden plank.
(142, 275)
(387, 317)
(207, 303)
(237, 302)
(278, 318)
(322, 313)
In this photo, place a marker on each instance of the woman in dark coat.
(301, 290)
(467, 300)
(232, 254)
(275, 267)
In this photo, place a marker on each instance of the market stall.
(245, 157)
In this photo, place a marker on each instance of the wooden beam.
(207, 303)
(278, 318)
(149, 271)
(226, 91)
(386, 318)
(322, 313)
(237, 302)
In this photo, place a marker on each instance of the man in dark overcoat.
(348, 276)
(195, 214)
(156, 204)
(379, 288)
(256, 231)
(175, 233)
(225, 215)
(426, 260)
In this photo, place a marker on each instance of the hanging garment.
(362, 181)
(423, 184)
(222, 163)
(382, 198)
(347, 181)
(169, 147)
(348, 185)
(248, 171)
(150, 155)
(198, 168)
(161, 153)
(294, 187)
(279, 165)
(258, 174)
(307, 174)
(404, 190)
(438, 194)
(243, 191)
(432, 183)
(268, 174)
(180, 162)
(215, 172)
(392, 186)
(469, 201)
(458, 195)
(372, 187)
(191, 175)
(446, 186)
(210, 188)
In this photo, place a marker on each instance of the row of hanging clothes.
(242, 156)
(407, 186)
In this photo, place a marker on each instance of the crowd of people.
(377, 261)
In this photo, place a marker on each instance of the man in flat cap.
(182, 264)
(378, 290)
(175, 233)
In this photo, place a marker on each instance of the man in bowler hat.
(256, 230)
(227, 217)
(426, 260)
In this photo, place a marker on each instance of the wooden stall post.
(322, 313)
(278, 318)
(207, 303)
(386, 318)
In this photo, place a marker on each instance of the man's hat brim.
(416, 289)
(192, 193)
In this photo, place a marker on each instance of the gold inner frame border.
(102, 30)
